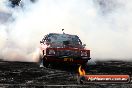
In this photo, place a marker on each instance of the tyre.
(45, 63)
(84, 66)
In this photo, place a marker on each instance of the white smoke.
(104, 25)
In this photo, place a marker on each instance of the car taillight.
(51, 52)
(84, 53)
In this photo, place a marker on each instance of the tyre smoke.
(103, 25)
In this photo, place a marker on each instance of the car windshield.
(62, 39)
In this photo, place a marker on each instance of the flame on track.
(81, 71)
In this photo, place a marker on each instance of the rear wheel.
(45, 63)
(84, 66)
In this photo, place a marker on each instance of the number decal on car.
(68, 59)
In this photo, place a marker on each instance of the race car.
(63, 49)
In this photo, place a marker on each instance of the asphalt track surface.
(30, 75)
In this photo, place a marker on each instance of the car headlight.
(51, 52)
(84, 53)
